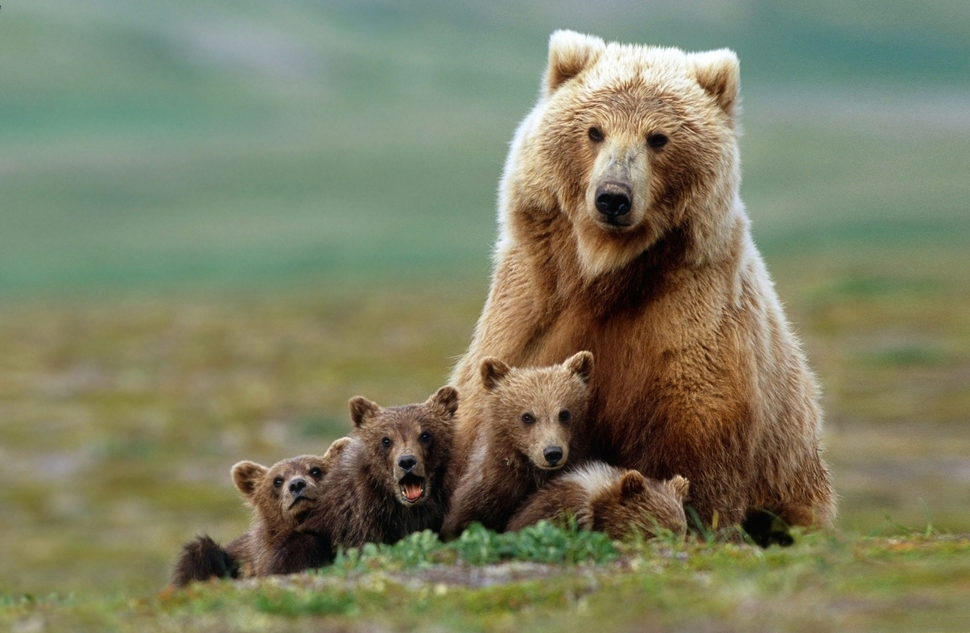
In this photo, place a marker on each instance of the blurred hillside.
(246, 142)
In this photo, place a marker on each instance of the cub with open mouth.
(389, 482)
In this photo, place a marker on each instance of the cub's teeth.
(412, 492)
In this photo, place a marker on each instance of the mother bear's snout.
(613, 199)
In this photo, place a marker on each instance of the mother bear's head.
(631, 144)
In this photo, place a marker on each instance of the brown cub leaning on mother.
(622, 233)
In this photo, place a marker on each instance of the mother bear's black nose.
(613, 199)
(407, 463)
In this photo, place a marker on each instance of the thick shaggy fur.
(282, 497)
(614, 500)
(705, 378)
(368, 495)
(527, 416)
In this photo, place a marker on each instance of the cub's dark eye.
(528, 418)
(595, 134)
(425, 438)
(386, 442)
(277, 482)
(656, 141)
(564, 416)
(315, 472)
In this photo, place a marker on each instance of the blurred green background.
(221, 219)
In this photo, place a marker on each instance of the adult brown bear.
(622, 233)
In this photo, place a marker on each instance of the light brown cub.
(531, 420)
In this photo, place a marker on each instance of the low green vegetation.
(492, 583)
(542, 543)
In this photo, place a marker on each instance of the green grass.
(541, 543)
(823, 583)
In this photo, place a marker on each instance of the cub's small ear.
(493, 371)
(445, 400)
(632, 484)
(333, 453)
(580, 364)
(246, 476)
(570, 53)
(362, 409)
(719, 74)
(679, 485)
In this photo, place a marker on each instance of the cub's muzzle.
(297, 486)
(407, 463)
(552, 454)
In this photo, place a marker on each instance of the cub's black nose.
(297, 486)
(407, 463)
(613, 199)
(552, 454)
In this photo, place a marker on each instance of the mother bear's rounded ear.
(570, 53)
(581, 364)
(445, 400)
(719, 74)
(493, 371)
(361, 409)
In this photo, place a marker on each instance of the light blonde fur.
(700, 372)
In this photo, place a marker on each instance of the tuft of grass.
(544, 542)
(291, 604)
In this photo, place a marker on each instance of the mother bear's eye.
(386, 442)
(564, 416)
(277, 482)
(528, 418)
(595, 134)
(656, 141)
(425, 437)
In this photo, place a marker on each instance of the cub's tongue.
(412, 491)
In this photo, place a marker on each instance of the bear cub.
(387, 483)
(529, 420)
(282, 497)
(608, 499)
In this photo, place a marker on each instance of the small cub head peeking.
(410, 445)
(536, 408)
(284, 493)
(635, 503)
